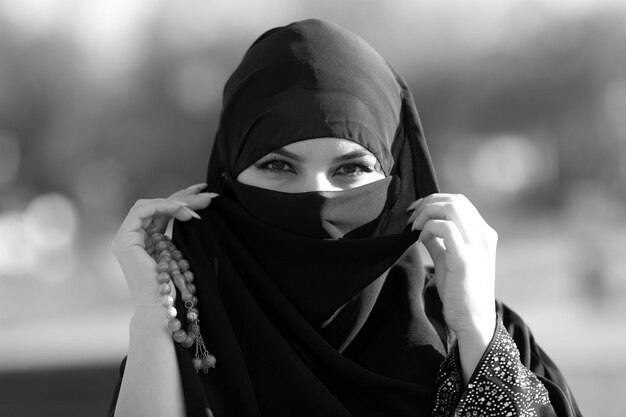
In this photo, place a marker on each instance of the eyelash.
(363, 169)
(267, 166)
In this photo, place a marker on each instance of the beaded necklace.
(172, 267)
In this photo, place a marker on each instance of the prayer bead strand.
(173, 269)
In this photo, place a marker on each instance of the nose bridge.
(317, 180)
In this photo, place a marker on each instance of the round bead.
(156, 237)
(188, 342)
(192, 316)
(165, 289)
(187, 297)
(163, 266)
(161, 246)
(197, 364)
(194, 300)
(170, 245)
(191, 288)
(183, 265)
(177, 255)
(167, 301)
(173, 266)
(209, 361)
(152, 229)
(174, 325)
(179, 336)
(170, 312)
(188, 276)
(193, 328)
(163, 278)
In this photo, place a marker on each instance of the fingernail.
(414, 204)
(192, 213)
(199, 185)
(210, 195)
(180, 203)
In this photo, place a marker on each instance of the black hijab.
(313, 303)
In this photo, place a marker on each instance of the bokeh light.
(9, 158)
(50, 222)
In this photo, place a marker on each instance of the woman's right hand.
(130, 244)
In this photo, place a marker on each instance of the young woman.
(307, 290)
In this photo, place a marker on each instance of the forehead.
(326, 147)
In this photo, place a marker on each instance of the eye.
(275, 165)
(353, 170)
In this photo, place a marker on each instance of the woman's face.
(323, 164)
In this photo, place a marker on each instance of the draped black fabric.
(317, 304)
(307, 297)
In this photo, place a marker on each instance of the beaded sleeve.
(500, 386)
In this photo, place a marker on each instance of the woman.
(311, 294)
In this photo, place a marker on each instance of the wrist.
(477, 331)
(148, 316)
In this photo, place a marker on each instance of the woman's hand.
(463, 248)
(131, 244)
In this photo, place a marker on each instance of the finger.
(439, 197)
(435, 247)
(438, 210)
(448, 232)
(431, 198)
(195, 199)
(198, 201)
(191, 198)
(141, 214)
(414, 204)
(444, 211)
(191, 190)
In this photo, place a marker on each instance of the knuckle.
(140, 201)
(490, 236)
(461, 198)
(493, 234)
(452, 208)
(178, 194)
(114, 246)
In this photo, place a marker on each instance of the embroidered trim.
(500, 387)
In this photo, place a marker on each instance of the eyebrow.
(287, 154)
(357, 153)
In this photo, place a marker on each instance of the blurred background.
(105, 102)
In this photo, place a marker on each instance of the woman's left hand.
(463, 248)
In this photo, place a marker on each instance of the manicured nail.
(210, 195)
(199, 185)
(192, 213)
(414, 204)
(180, 203)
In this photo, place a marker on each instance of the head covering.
(313, 302)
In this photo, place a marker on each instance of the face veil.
(314, 79)
(313, 302)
